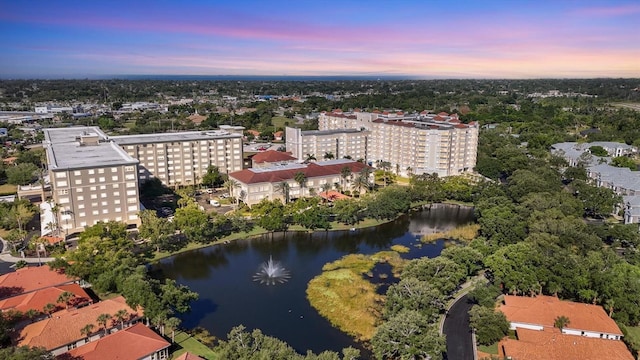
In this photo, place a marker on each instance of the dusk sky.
(421, 39)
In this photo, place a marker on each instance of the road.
(456, 328)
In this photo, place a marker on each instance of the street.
(456, 328)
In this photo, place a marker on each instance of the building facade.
(412, 144)
(339, 143)
(180, 159)
(92, 179)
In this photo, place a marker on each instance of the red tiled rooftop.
(550, 344)
(443, 113)
(332, 195)
(189, 356)
(272, 156)
(63, 327)
(253, 132)
(52, 239)
(36, 300)
(31, 278)
(135, 342)
(543, 310)
(311, 170)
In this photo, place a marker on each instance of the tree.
(345, 174)
(21, 174)
(408, 335)
(25, 353)
(361, 182)
(31, 314)
(158, 231)
(230, 185)
(15, 237)
(65, 298)
(413, 294)
(347, 211)
(328, 155)
(624, 161)
(103, 320)
(440, 272)
(194, 223)
(48, 309)
(490, 325)
(561, 322)
(212, 178)
(87, 330)
(470, 259)
(598, 202)
(309, 158)
(384, 173)
(120, 316)
(284, 188)
(23, 213)
(598, 151)
(301, 179)
(172, 323)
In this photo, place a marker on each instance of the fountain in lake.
(271, 272)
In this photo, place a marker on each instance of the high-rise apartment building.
(334, 143)
(411, 143)
(182, 158)
(92, 178)
(95, 177)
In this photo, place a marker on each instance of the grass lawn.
(489, 349)
(279, 122)
(8, 189)
(185, 342)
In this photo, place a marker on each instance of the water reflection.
(223, 276)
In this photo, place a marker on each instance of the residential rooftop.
(174, 137)
(329, 132)
(270, 156)
(135, 342)
(36, 300)
(30, 279)
(289, 171)
(82, 147)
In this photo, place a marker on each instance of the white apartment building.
(317, 143)
(413, 144)
(182, 158)
(92, 178)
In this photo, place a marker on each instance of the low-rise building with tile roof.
(135, 342)
(270, 158)
(63, 330)
(30, 279)
(36, 300)
(263, 183)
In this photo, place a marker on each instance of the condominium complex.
(411, 143)
(334, 143)
(92, 178)
(95, 177)
(183, 158)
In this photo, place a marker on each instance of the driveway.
(456, 328)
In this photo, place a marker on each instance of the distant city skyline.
(405, 38)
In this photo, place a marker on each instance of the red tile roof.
(36, 300)
(253, 132)
(189, 356)
(550, 344)
(443, 113)
(543, 310)
(135, 342)
(63, 327)
(311, 170)
(272, 156)
(31, 278)
(52, 239)
(332, 195)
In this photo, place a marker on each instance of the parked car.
(214, 203)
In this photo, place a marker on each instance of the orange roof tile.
(135, 342)
(311, 170)
(189, 356)
(197, 118)
(550, 344)
(272, 156)
(52, 239)
(36, 300)
(31, 278)
(543, 310)
(63, 327)
(332, 195)
(443, 113)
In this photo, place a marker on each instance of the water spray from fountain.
(271, 273)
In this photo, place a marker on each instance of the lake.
(229, 296)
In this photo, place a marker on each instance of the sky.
(418, 39)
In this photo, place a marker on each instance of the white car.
(214, 203)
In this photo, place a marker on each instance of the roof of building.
(272, 156)
(36, 300)
(31, 278)
(64, 151)
(543, 310)
(329, 132)
(552, 345)
(288, 172)
(332, 195)
(174, 137)
(189, 356)
(197, 118)
(135, 342)
(63, 327)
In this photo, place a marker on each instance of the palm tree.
(102, 320)
(561, 322)
(31, 314)
(301, 179)
(284, 188)
(309, 158)
(22, 214)
(48, 309)
(345, 173)
(328, 155)
(409, 171)
(87, 330)
(325, 189)
(173, 323)
(65, 298)
(609, 303)
(121, 316)
(361, 182)
(55, 210)
(385, 166)
(231, 184)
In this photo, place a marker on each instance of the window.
(77, 173)
(61, 175)
(93, 188)
(103, 187)
(114, 178)
(101, 179)
(94, 196)
(116, 193)
(131, 184)
(130, 177)
(100, 171)
(129, 168)
(131, 192)
(61, 183)
(104, 203)
(105, 211)
(118, 209)
(103, 195)
(115, 186)
(132, 208)
(114, 170)
(92, 180)
(133, 217)
(80, 206)
(63, 200)
(132, 200)
(78, 181)
(79, 190)
(82, 214)
(91, 172)
(80, 198)
(116, 201)
(95, 212)
(63, 192)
